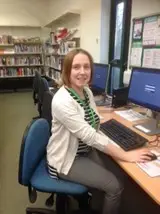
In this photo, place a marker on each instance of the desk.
(150, 185)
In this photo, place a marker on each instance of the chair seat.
(42, 181)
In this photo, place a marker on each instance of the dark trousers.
(97, 170)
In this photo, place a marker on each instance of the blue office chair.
(33, 171)
(36, 85)
(43, 87)
(46, 107)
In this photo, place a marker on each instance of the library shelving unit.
(19, 59)
(56, 47)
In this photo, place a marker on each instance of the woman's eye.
(86, 67)
(76, 67)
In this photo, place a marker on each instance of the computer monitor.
(100, 77)
(144, 90)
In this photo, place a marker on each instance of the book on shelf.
(6, 51)
(53, 62)
(54, 75)
(11, 40)
(29, 40)
(61, 35)
(20, 56)
(27, 48)
(22, 49)
(58, 45)
(19, 72)
(6, 39)
(20, 60)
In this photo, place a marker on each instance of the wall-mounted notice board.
(145, 47)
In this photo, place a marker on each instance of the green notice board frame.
(145, 45)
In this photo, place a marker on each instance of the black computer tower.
(120, 97)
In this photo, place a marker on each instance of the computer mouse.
(152, 156)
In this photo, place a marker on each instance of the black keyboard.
(123, 136)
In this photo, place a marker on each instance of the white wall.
(57, 8)
(94, 28)
(90, 22)
(21, 31)
(145, 7)
(90, 28)
(26, 32)
(23, 13)
(24, 18)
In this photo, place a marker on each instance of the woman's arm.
(68, 114)
(111, 149)
(139, 155)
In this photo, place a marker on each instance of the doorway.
(119, 41)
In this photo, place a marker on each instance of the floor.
(16, 110)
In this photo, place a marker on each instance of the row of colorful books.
(20, 60)
(20, 72)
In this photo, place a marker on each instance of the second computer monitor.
(100, 77)
(144, 88)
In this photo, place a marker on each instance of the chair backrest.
(36, 82)
(46, 106)
(43, 87)
(33, 148)
(36, 86)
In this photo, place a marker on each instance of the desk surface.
(150, 185)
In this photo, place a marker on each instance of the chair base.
(32, 210)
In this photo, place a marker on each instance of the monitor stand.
(151, 126)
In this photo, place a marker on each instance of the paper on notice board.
(158, 32)
(156, 58)
(148, 58)
(150, 31)
(136, 56)
(151, 58)
(137, 31)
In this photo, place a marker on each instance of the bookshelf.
(60, 42)
(20, 57)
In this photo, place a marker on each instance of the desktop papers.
(152, 168)
(131, 115)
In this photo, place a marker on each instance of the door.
(119, 41)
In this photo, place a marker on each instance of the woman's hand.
(139, 155)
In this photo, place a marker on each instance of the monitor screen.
(100, 76)
(144, 88)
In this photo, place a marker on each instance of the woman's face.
(80, 71)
